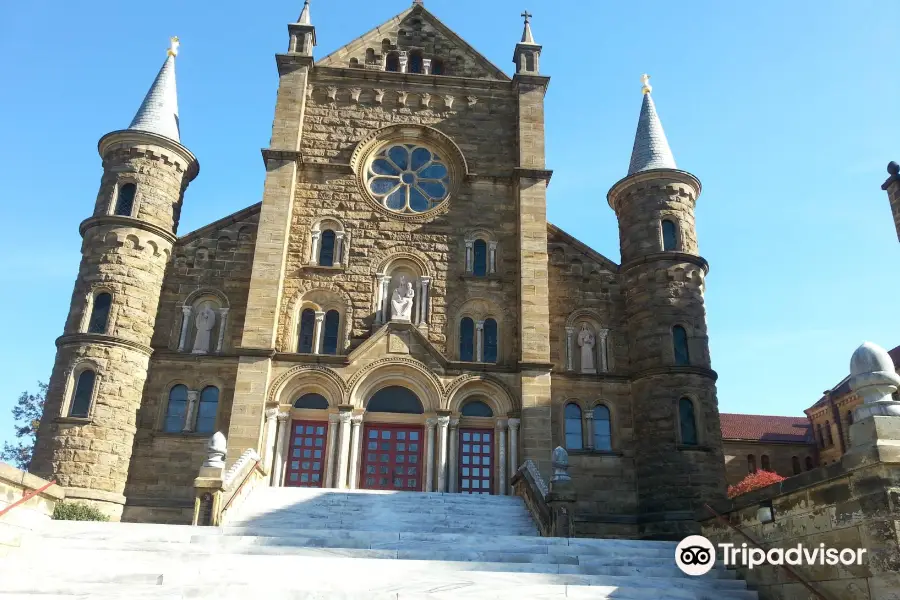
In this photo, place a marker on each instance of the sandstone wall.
(780, 457)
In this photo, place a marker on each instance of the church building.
(396, 313)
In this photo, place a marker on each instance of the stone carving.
(401, 98)
(872, 376)
(206, 320)
(398, 342)
(332, 93)
(448, 101)
(560, 465)
(215, 451)
(379, 96)
(402, 301)
(354, 94)
(426, 100)
(472, 100)
(586, 342)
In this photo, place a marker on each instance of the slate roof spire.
(159, 111)
(651, 149)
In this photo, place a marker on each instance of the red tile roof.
(765, 428)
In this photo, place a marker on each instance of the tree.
(27, 415)
(754, 481)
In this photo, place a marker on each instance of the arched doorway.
(392, 451)
(476, 448)
(307, 458)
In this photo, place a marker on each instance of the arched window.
(395, 399)
(751, 463)
(849, 417)
(669, 235)
(313, 401)
(821, 435)
(766, 466)
(574, 438)
(100, 313)
(688, 422)
(437, 66)
(828, 439)
(125, 200)
(795, 463)
(480, 258)
(489, 354)
(330, 338)
(415, 63)
(477, 408)
(680, 342)
(80, 405)
(602, 429)
(809, 463)
(467, 340)
(392, 62)
(307, 328)
(326, 249)
(206, 410)
(176, 409)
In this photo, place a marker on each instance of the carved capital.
(356, 419)
(186, 310)
(345, 416)
(454, 422)
(514, 424)
(271, 414)
(443, 421)
(283, 416)
(354, 94)
(334, 418)
(430, 422)
(379, 96)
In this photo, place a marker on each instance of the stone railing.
(217, 493)
(33, 513)
(553, 508)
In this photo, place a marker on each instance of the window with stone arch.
(489, 341)
(204, 323)
(125, 196)
(481, 254)
(795, 464)
(101, 305)
(437, 67)
(820, 436)
(587, 349)
(392, 62)
(327, 243)
(82, 395)
(573, 428)
(751, 463)
(207, 409)
(602, 424)
(669, 233)
(176, 409)
(680, 345)
(320, 322)
(829, 440)
(467, 340)
(809, 463)
(415, 62)
(687, 422)
(764, 462)
(478, 334)
(307, 331)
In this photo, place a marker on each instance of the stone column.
(479, 341)
(429, 454)
(281, 442)
(589, 416)
(355, 422)
(403, 60)
(470, 255)
(379, 298)
(570, 336)
(329, 450)
(492, 257)
(443, 423)
(344, 448)
(385, 299)
(513, 447)
(317, 332)
(453, 477)
(603, 352)
(185, 325)
(314, 248)
(271, 431)
(338, 248)
(426, 66)
(192, 397)
(502, 487)
(223, 322)
(423, 299)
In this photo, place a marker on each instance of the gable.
(556, 238)
(415, 30)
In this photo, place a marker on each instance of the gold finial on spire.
(647, 88)
(173, 46)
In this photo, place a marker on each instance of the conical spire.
(304, 14)
(527, 37)
(651, 149)
(159, 111)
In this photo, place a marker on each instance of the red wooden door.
(392, 457)
(476, 461)
(306, 458)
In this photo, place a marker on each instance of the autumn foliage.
(754, 481)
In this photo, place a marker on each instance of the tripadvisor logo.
(695, 555)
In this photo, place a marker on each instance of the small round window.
(407, 178)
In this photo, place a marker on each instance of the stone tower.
(88, 426)
(679, 461)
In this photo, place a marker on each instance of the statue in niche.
(206, 320)
(402, 301)
(586, 342)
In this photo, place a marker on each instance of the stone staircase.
(290, 543)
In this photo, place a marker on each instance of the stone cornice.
(535, 80)
(526, 173)
(125, 222)
(666, 257)
(288, 63)
(534, 366)
(285, 155)
(323, 359)
(593, 377)
(257, 352)
(322, 75)
(102, 340)
(134, 137)
(661, 175)
(676, 370)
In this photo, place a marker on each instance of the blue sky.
(786, 112)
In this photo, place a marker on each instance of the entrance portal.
(476, 461)
(306, 459)
(393, 457)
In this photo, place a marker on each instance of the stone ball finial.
(873, 377)
(560, 460)
(870, 358)
(216, 450)
(893, 168)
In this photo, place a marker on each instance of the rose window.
(407, 178)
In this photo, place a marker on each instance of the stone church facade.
(396, 312)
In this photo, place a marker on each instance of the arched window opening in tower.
(688, 422)
(326, 250)
(467, 340)
(680, 342)
(330, 338)
(207, 409)
(125, 200)
(81, 397)
(307, 329)
(572, 418)
(100, 313)
(176, 409)
(669, 235)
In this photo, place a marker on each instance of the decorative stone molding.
(402, 98)
(332, 93)
(426, 99)
(379, 96)
(426, 373)
(281, 382)
(499, 396)
(472, 100)
(354, 94)
(448, 101)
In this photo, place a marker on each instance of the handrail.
(237, 492)
(784, 566)
(26, 497)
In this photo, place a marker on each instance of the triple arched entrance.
(394, 443)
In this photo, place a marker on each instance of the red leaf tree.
(754, 481)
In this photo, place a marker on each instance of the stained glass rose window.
(408, 178)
